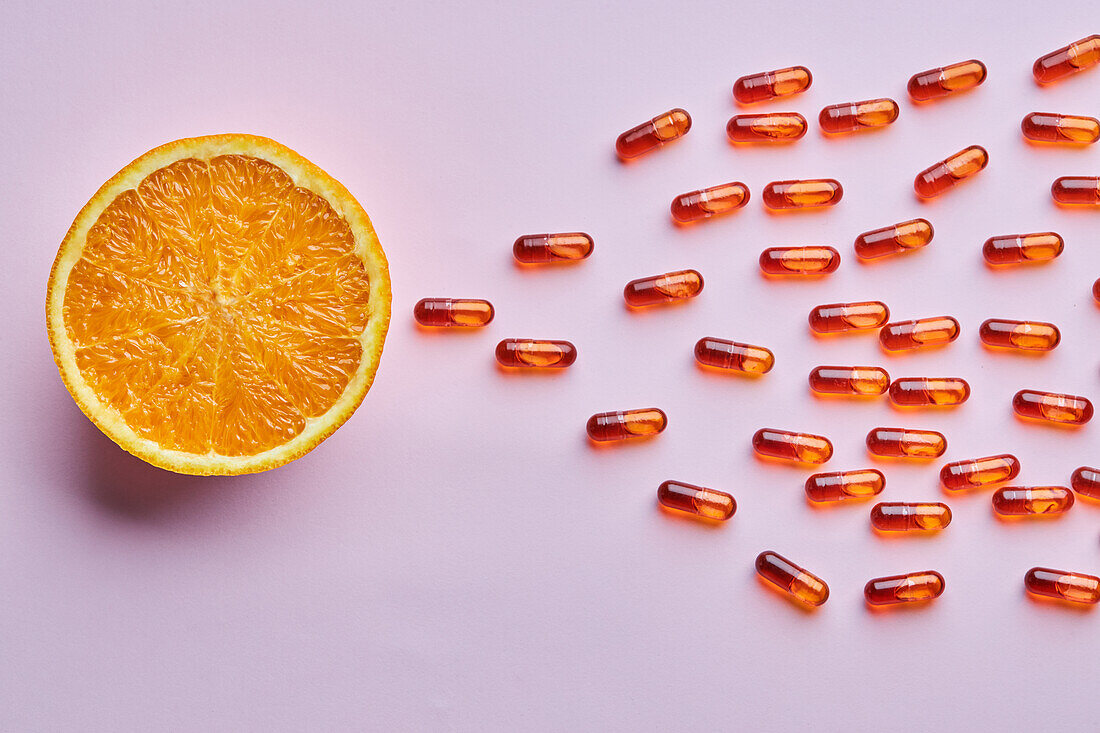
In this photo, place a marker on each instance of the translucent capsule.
(946, 174)
(1021, 500)
(1086, 482)
(855, 380)
(1021, 335)
(844, 485)
(649, 135)
(708, 202)
(771, 127)
(644, 423)
(800, 583)
(923, 586)
(536, 353)
(800, 447)
(539, 249)
(903, 335)
(1063, 584)
(977, 472)
(916, 517)
(929, 391)
(723, 354)
(799, 260)
(666, 288)
(853, 116)
(803, 194)
(1017, 248)
(906, 443)
(696, 500)
(772, 84)
(1048, 127)
(1096, 290)
(448, 312)
(1079, 190)
(1052, 407)
(843, 317)
(946, 79)
(1068, 60)
(907, 235)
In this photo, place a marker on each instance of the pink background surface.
(458, 556)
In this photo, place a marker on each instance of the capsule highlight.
(801, 584)
(1077, 190)
(915, 517)
(789, 446)
(908, 588)
(453, 313)
(535, 353)
(697, 500)
(844, 485)
(856, 380)
(1063, 584)
(802, 194)
(799, 260)
(653, 134)
(1019, 335)
(772, 127)
(1077, 56)
(976, 472)
(666, 288)
(844, 317)
(1016, 501)
(948, 173)
(902, 237)
(709, 202)
(1086, 482)
(1048, 127)
(1052, 407)
(853, 116)
(940, 82)
(920, 333)
(733, 356)
(772, 84)
(906, 443)
(929, 391)
(1017, 248)
(541, 249)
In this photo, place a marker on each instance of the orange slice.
(219, 306)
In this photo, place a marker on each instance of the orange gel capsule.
(1086, 482)
(854, 116)
(1017, 248)
(802, 194)
(649, 135)
(696, 500)
(1079, 190)
(916, 517)
(1068, 60)
(799, 260)
(1021, 335)
(929, 391)
(607, 426)
(977, 472)
(1096, 290)
(771, 127)
(671, 286)
(772, 84)
(946, 174)
(731, 355)
(906, 443)
(1048, 127)
(1062, 584)
(447, 312)
(1021, 500)
(1052, 407)
(800, 583)
(923, 586)
(708, 202)
(843, 485)
(946, 79)
(800, 447)
(903, 335)
(842, 317)
(907, 235)
(539, 249)
(536, 353)
(856, 380)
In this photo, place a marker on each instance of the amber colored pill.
(800, 583)
(708, 202)
(649, 135)
(800, 447)
(1052, 407)
(1063, 584)
(696, 500)
(536, 353)
(666, 288)
(907, 235)
(923, 586)
(929, 391)
(771, 127)
(1096, 290)
(802, 194)
(903, 335)
(539, 249)
(842, 317)
(771, 84)
(1048, 127)
(936, 179)
(843, 485)
(734, 356)
(1086, 482)
(977, 472)
(853, 116)
(1016, 248)
(447, 312)
(916, 517)
(855, 380)
(906, 443)
(1068, 60)
(799, 260)
(945, 80)
(1084, 191)
(607, 426)
(1020, 335)
(1024, 500)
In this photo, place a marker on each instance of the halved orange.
(219, 306)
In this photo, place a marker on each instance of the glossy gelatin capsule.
(1083, 191)
(946, 174)
(799, 260)
(708, 202)
(977, 472)
(929, 391)
(723, 354)
(696, 500)
(1086, 482)
(843, 317)
(946, 80)
(772, 84)
(456, 312)
(855, 380)
(1096, 290)
(536, 353)
(666, 288)
(923, 586)
(1048, 127)
(907, 235)
(906, 443)
(1016, 248)
(769, 127)
(649, 135)
(1020, 335)
(800, 447)
(1068, 60)
(1058, 408)
(802, 194)
(800, 583)
(540, 249)
(623, 424)
(853, 116)
(844, 485)
(1025, 500)
(1062, 584)
(915, 517)
(904, 335)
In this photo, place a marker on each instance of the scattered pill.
(904, 335)
(799, 260)
(1052, 407)
(802, 194)
(457, 312)
(1086, 482)
(1070, 59)
(534, 353)
(903, 237)
(623, 424)
(697, 500)
(771, 84)
(1062, 584)
(922, 586)
(855, 380)
(1083, 191)
(798, 582)
(1048, 127)
(844, 485)
(852, 116)
(1019, 335)
(652, 134)
(734, 356)
(708, 202)
(929, 391)
(976, 472)
(1017, 248)
(799, 447)
(666, 288)
(946, 174)
(915, 517)
(539, 249)
(843, 317)
(770, 127)
(906, 443)
(1026, 500)
(945, 80)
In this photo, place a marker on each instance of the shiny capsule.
(1020, 335)
(448, 312)
(972, 473)
(929, 391)
(946, 80)
(1021, 500)
(772, 84)
(843, 317)
(650, 135)
(1063, 584)
(906, 443)
(800, 447)
(1075, 57)
(540, 249)
(1052, 407)
(666, 288)
(946, 174)
(1048, 127)
(1086, 482)
(533, 353)
(1096, 290)
(708, 202)
(852, 116)
(696, 500)
(1016, 248)
(623, 424)
(799, 260)
(844, 485)
(904, 335)
(771, 127)
(916, 517)
(802, 194)
(923, 586)
(908, 235)
(734, 356)
(1083, 191)
(856, 380)
(800, 583)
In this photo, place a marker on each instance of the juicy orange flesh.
(217, 307)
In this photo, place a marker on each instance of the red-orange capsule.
(708, 202)
(1026, 500)
(1096, 290)
(772, 84)
(649, 135)
(1048, 127)
(929, 391)
(923, 586)
(539, 249)
(946, 80)
(853, 116)
(1016, 248)
(666, 288)
(1063, 584)
(1083, 191)
(908, 235)
(1020, 335)
(802, 194)
(800, 583)
(800, 447)
(1075, 57)
(734, 356)
(906, 443)
(770, 127)
(915, 517)
(844, 485)
(1058, 408)
(536, 353)
(842, 317)
(696, 500)
(904, 335)
(855, 380)
(623, 424)
(972, 473)
(799, 260)
(448, 312)
(1086, 482)
(946, 174)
